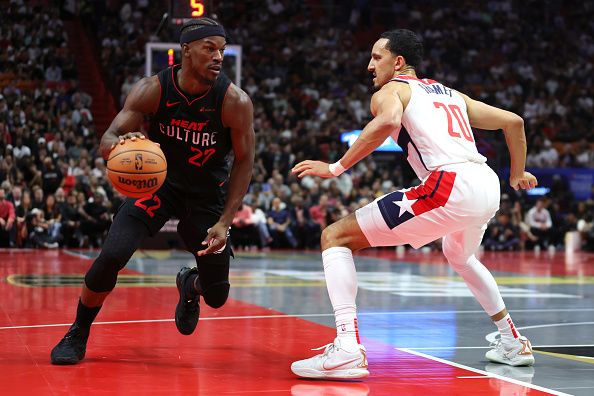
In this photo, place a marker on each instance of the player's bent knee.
(216, 294)
(451, 250)
(328, 236)
(103, 274)
(344, 233)
(101, 279)
(334, 235)
(458, 261)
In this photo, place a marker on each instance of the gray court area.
(426, 308)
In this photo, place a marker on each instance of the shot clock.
(182, 10)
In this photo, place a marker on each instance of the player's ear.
(399, 63)
(185, 50)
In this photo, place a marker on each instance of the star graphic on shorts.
(405, 205)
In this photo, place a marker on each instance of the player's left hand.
(216, 239)
(526, 181)
(312, 168)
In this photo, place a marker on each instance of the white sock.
(508, 331)
(341, 281)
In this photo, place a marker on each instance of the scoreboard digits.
(182, 10)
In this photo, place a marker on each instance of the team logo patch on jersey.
(400, 206)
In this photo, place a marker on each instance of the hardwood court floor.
(424, 333)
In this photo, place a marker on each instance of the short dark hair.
(405, 43)
(198, 23)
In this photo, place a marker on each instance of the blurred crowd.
(309, 87)
(53, 190)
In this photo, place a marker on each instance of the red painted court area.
(240, 349)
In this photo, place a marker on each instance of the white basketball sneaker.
(520, 355)
(334, 362)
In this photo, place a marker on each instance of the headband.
(200, 33)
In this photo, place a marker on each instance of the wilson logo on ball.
(139, 184)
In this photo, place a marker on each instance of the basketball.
(137, 168)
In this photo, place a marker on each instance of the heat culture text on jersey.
(189, 131)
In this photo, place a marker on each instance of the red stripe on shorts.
(432, 194)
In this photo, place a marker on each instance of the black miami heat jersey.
(192, 136)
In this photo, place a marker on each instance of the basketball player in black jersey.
(198, 117)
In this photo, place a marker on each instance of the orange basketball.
(137, 169)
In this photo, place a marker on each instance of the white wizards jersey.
(435, 129)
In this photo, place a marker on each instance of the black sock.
(85, 316)
(192, 287)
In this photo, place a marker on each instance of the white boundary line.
(438, 348)
(488, 336)
(76, 254)
(264, 317)
(486, 374)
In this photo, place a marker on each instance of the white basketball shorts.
(454, 198)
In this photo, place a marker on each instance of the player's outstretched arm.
(484, 116)
(238, 114)
(387, 109)
(142, 99)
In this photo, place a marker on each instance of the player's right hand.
(130, 135)
(312, 168)
(525, 182)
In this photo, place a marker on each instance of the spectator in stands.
(567, 158)
(99, 170)
(539, 220)
(38, 198)
(16, 195)
(60, 196)
(52, 216)
(585, 226)
(319, 212)
(52, 176)
(22, 212)
(261, 223)
(549, 156)
(585, 156)
(3, 119)
(278, 224)
(517, 219)
(7, 218)
(53, 72)
(305, 230)
(38, 227)
(20, 150)
(70, 214)
(502, 234)
(243, 231)
(95, 220)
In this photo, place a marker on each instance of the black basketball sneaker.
(71, 349)
(187, 311)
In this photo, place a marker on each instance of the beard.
(202, 77)
(375, 86)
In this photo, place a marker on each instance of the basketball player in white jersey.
(458, 196)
